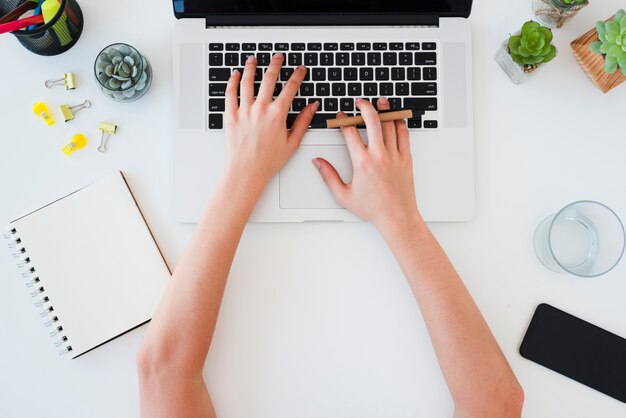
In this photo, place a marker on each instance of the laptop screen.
(195, 8)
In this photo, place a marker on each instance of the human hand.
(258, 140)
(382, 190)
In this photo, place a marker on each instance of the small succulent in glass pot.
(612, 43)
(526, 51)
(555, 13)
(123, 74)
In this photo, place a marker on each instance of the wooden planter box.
(593, 64)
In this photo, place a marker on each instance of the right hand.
(382, 191)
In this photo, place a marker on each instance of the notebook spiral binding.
(28, 272)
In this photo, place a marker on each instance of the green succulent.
(612, 43)
(533, 46)
(119, 68)
(570, 2)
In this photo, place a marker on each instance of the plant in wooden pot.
(555, 13)
(601, 52)
(526, 51)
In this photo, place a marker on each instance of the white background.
(317, 319)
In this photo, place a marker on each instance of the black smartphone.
(577, 349)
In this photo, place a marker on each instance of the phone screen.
(578, 350)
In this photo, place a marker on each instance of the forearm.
(473, 365)
(183, 326)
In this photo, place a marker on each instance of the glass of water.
(585, 238)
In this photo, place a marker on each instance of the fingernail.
(358, 100)
(317, 163)
(383, 100)
(315, 106)
(278, 55)
(235, 72)
(250, 58)
(301, 67)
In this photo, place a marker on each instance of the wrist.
(401, 229)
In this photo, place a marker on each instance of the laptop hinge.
(287, 20)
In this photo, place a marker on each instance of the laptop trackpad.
(302, 186)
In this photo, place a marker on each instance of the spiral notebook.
(91, 263)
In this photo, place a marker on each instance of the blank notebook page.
(97, 261)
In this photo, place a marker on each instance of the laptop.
(416, 53)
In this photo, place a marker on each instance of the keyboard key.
(216, 47)
(346, 47)
(363, 46)
(395, 103)
(244, 57)
(285, 73)
(310, 59)
(396, 46)
(374, 58)
(322, 117)
(232, 47)
(380, 46)
(339, 89)
(314, 46)
(216, 121)
(429, 46)
(331, 47)
(258, 74)
(425, 58)
(263, 59)
(265, 47)
(322, 89)
(358, 58)
(354, 89)
(349, 74)
(412, 46)
(319, 74)
(257, 88)
(219, 74)
(382, 73)
(307, 89)
(248, 47)
(430, 73)
(405, 58)
(421, 103)
(326, 58)
(397, 73)
(217, 105)
(331, 105)
(277, 89)
(317, 99)
(423, 89)
(390, 58)
(298, 47)
(346, 104)
(414, 123)
(386, 89)
(298, 104)
(231, 59)
(343, 58)
(413, 73)
(370, 89)
(291, 118)
(366, 74)
(281, 46)
(402, 89)
(295, 59)
(334, 74)
(216, 60)
(217, 89)
(430, 124)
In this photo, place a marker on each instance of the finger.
(270, 77)
(353, 139)
(232, 104)
(372, 124)
(402, 133)
(291, 87)
(247, 82)
(389, 128)
(302, 123)
(337, 187)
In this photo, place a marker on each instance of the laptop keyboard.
(338, 73)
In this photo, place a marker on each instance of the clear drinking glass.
(585, 238)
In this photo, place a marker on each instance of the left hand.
(258, 139)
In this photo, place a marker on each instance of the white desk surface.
(317, 320)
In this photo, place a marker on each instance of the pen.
(384, 115)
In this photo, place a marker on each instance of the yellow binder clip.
(40, 109)
(67, 81)
(78, 141)
(107, 129)
(68, 112)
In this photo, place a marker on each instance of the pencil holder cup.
(56, 36)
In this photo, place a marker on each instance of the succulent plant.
(122, 70)
(612, 43)
(532, 47)
(570, 2)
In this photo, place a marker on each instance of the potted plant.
(526, 51)
(601, 52)
(555, 13)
